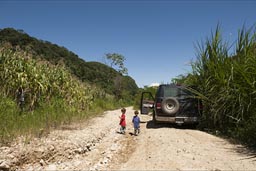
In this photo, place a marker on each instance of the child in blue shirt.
(136, 123)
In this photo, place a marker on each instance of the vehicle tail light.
(158, 106)
(200, 107)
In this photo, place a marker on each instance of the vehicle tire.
(170, 105)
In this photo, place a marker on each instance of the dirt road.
(96, 145)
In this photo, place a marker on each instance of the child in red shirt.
(122, 122)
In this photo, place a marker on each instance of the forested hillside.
(93, 72)
(44, 86)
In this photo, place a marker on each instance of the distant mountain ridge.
(94, 73)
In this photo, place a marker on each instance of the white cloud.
(154, 84)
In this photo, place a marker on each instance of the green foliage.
(227, 84)
(100, 74)
(95, 73)
(188, 79)
(8, 116)
(117, 60)
(59, 87)
(36, 123)
(40, 81)
(52, 94)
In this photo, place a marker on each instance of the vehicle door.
(146, 102)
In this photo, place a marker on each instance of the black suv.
(173, 104)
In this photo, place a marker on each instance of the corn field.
(226, 82)
(58, 94)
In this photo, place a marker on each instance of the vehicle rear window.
(170, 91)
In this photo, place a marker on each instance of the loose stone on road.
(96, 145)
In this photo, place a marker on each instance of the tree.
(117, 60)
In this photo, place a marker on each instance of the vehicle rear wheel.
(170, 105)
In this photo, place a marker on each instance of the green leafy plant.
(227, 84)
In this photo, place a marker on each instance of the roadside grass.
(226, 82)
(53, 97)
(39, 122)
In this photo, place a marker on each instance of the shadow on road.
(248, 150)
(151, 125)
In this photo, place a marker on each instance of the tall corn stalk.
(41, 82)
(50, 87)
(227, 83)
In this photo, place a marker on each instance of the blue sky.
(157, 37)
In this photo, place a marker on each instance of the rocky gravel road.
(97, 145)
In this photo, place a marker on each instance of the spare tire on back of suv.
(170, 105)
